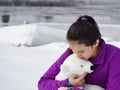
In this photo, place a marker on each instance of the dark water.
(104, 11)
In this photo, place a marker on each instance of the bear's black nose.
(92, 68)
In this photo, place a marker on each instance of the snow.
(21, 66)
(30, 34)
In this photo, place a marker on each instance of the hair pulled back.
(84, 30)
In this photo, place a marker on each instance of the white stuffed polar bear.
(74, 65)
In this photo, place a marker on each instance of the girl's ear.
(96, 43)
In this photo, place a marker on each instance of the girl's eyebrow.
(81, 51)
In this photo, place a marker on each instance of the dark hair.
(84, 30)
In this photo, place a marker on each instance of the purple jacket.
(106, 73)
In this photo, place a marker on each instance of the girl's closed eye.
(81, 51)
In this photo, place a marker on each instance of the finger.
(74, 76)
(82, 82)
(83, 75)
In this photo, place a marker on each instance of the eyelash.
(81, 51)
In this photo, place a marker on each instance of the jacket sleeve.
(47, 81)
(114, 73)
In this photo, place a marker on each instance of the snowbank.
(30, 35)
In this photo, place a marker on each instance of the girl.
(84, 39)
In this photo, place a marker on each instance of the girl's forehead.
(76, 43)
(77, 46)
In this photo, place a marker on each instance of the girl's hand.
(76, 80)
(62, 88)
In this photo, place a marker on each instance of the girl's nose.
(80, 56)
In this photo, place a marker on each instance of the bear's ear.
(64, 68)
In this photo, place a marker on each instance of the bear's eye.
(81, 66)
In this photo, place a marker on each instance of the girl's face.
(82, 51)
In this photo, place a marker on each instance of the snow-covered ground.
(21, 67)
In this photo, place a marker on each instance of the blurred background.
(16, 12)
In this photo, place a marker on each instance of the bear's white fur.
(74, 65)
